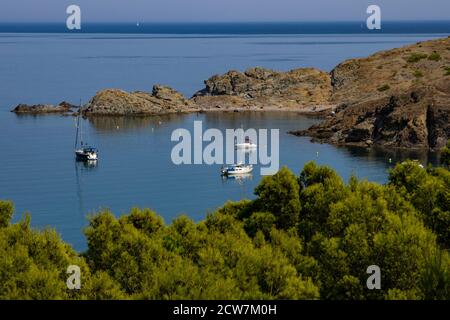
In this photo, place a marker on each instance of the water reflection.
(120, 124)
(87, 164)
(83, 168)
(256, 119)
(393, 156)
(240, 179)
(229, 120)
(246, 156)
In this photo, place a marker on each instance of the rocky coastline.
(304, 90)
(162, 100)
(62, 108)
(395, 98)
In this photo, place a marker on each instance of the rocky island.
(395, 98)
(306, 90)
(63, 107)
(162, 100)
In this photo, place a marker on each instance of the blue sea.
(235, 28)
(45, 63)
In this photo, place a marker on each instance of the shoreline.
(395, 98)
(321, 111)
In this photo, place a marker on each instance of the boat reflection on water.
(83, 169)
(240, 179)
(88, 164)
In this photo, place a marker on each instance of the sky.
(221, 10)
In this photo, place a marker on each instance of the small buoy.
(117, 127)
(317, 153)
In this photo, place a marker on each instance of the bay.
(37, 167)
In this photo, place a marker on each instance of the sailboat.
(84, 152)
(248, 144)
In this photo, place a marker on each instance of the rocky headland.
(395, 98)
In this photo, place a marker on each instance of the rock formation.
(63, 107)
(266, 89)
(395, 98)
(162, 100)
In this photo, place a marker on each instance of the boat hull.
(82, 156)
(235, 172)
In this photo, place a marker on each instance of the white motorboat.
(246, 145)
(237, 169)
(84, 152)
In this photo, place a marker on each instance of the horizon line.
(228, 22)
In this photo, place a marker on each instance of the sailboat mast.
(81, 130)
(78, 127)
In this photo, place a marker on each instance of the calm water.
(37, 169)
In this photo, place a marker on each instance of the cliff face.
(162, 100)
(264, 88)
(398, 98)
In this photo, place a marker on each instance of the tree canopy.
(310, 236)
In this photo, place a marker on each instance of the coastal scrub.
(310, 236)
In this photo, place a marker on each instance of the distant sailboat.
(248, 144)
(84, 152)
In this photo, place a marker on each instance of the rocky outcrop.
(259, 88)
(418, 118)
(63, 107)
(162, 100)
(395, 98)
(255, 89)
